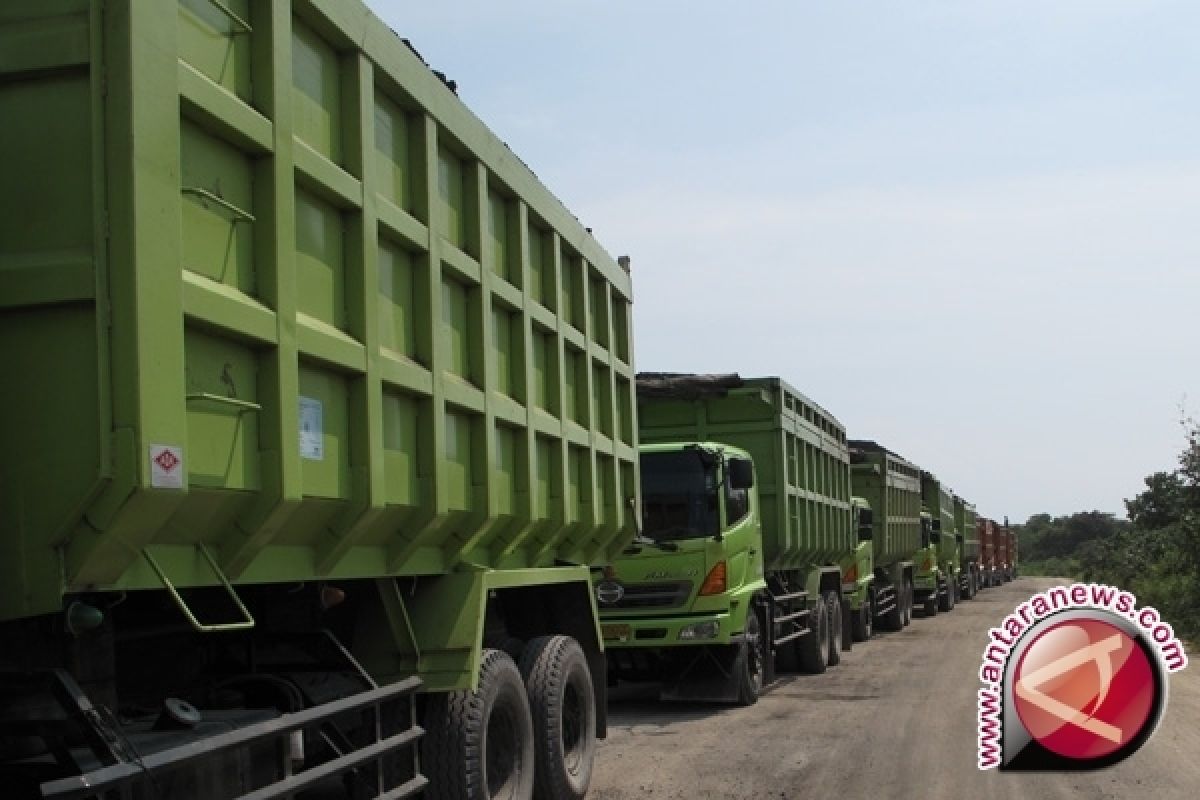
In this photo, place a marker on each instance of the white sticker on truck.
(312, 439)
(166, 466)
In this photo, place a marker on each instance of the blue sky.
(968, 229)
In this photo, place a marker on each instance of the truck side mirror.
(741, 473)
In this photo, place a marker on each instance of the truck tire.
(813, 649)
(906, 617)
(748, 666)
(863, 624)
(946, 601)
(930, 607)
(478, 745)
(894, 619)
(561, 700)
(833, 609)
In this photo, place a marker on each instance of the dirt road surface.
(897, 719)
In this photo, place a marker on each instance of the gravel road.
(896, 719)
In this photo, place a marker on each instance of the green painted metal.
(892, 487)
(801, 462)
(262, 242)
(938, 500)
(965, 521)
(739, 548)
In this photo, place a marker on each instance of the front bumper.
(669, 631)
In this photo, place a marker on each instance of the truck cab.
(928, 575)
(858, 570)
(694, 573)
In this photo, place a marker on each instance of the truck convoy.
(746, 515)
(318, 408)
(322, 441)
(768, 542)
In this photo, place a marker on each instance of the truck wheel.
(906, 618)
(748, 666)
(863, 624)
(559, 686)
(894, 619)
(947, 601)
(930, 608)
(813, 649)
(833, 608)
(478, 745)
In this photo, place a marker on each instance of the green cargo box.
(965, 520)
(270, 293)
(892, 486)
(801, 462)
(938, 500)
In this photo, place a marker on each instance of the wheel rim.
(574, 716)
(503, 752)
(753, 652)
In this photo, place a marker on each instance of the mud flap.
(709, 677)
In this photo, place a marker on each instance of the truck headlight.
(700, 630)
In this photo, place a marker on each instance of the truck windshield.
(679, 496)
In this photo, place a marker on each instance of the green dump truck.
(938, 562)
(969, 577)
(746, 517)
(317, 407)
(879, 575)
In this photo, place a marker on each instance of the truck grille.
(652, 595)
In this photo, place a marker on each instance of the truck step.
(792, 616)
(792, 636)
(783, 598)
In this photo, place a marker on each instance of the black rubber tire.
(563, 704)
(930, 607)
(478, 745)
(787, 656)
(863, 624)
(813, 649)
(748, 665)
(947, 600)
(908, 603)
(894, 619)
(833, 609)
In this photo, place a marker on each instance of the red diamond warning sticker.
(166, 466)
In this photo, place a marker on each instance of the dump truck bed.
(801, 460)
(892, 486)
(270, 293)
